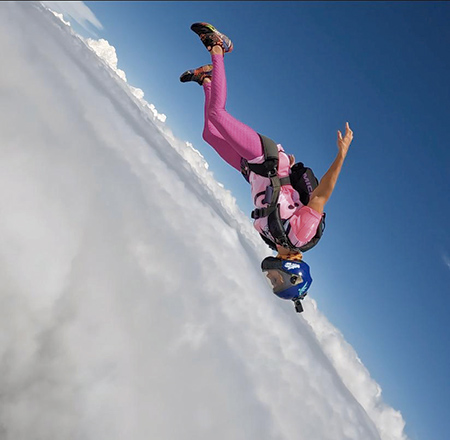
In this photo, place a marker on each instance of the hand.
(344, 142)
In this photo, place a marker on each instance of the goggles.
(279, 280)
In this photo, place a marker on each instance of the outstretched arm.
(322, 193)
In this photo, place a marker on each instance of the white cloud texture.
(132, 302)
(75, 10)
(108, 54)
(446, 260)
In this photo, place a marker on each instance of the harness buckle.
(284, 242)
(268, 195)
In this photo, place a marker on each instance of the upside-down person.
(289, 201)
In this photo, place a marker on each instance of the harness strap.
(277, 230)
(285, 181)
(269, 169)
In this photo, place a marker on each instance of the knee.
(214, 114)
(206, 134)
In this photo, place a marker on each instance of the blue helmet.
(289, 279)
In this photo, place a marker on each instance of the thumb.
(339, 135)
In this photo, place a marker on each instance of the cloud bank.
(132, 303)
(78, 11)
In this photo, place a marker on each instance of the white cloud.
(75, 10)
(101, 47)
(132, 302)
(446, 260)
(61, 17)
(355, 376)
(108, 54)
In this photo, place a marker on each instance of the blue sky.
(298, 72)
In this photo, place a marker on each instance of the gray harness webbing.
(269, 168)
(304, 185)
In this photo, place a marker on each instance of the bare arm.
(322, 193)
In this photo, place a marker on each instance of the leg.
(243, 139)
(214, 138)
(230, 138)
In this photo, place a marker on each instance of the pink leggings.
(229, 137)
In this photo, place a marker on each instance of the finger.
(339, 135)
(348, 130)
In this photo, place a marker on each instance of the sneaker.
(211, 37)
(198, 75)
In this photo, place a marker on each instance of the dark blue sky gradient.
(299, 71)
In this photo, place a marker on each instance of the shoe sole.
(206, 28)
(190, 74)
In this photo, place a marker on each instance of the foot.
(198, 75)
(211, 37)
